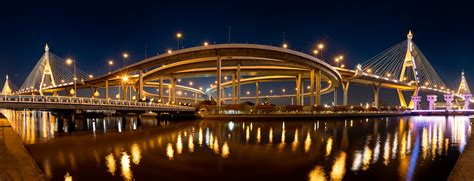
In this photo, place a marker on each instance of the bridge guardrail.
(84, 101)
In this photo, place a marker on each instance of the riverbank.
(229, 117)
(16, 162)
(465, 164)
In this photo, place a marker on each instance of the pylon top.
(410, 35)
(46, 48)
(7, 77)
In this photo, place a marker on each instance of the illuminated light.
(248, 92)
(225, 77)
(270, 135)
(231, 126)
(200, 138)
(117, 96)
(72, 91)
(341, 57)
(124, 78)
(136, 154)
(247, 134)
(258, 135)
(294, 145)
(307, 143)
(110, 163)
(336, 60)
(225, 150)
(170, 51)
(179, 35)
(216, 146)
(191, 83)
(320, 46)
(200, 88)
(67, 177)
(190, 143)
(317, 174)
(170, 151)
(339, 168)
(205, 43)
(91, 76)
(111, 62)
(125, 163)
(342, 65)
(285, 45)
(328, 146)
(179, 144)
(388, 74)
(366, 157)
(315, 52)
(357, 161)
(369, 70)
(125, 55)
(69, 61)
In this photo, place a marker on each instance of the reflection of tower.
(408, 63)
(46, 70)
(463, 86)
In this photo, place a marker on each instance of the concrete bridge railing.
(85, 101)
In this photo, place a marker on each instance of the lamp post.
(321, 47)
(178, 36)
(111, 63)
(125, 56)
(69, 61)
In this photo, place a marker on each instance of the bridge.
(228, 67)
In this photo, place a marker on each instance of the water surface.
(113, 148)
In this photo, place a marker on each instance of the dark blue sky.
(93, 32)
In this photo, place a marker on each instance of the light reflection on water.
(112, 147)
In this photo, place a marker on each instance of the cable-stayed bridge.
(157, 79)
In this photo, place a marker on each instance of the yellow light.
(342, 66)
(369, 70)
(69, 61)
(321, 46)
(170, 51)
(72, 91)
(315, 52)
(125, 55)
(285, 45)
(111, 62)
(178, 35)
(336, 59)
(341, 57)
(426, 83)
(388, 74)
(125, 78)
(205, 43)
(91, 76)
(191, 83)
(200, 88)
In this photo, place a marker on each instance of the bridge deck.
(73, 103)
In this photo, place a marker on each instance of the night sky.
(93, 32)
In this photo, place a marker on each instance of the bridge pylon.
(408, 63)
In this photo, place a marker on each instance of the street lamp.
(206, 43)
(69, 61)
(315, 52)
(125, 56)
(285, 45)
(111, 63)
(321, 47)
(178, 36)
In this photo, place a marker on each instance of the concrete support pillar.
(124, 91)
(376, 95)
(318, 88)
(170, 90)
(140, 85)
(416, 102)
(302, 93)
(345, 96)
(195, 98)
(173, 90)
(107, 89)
(298, 89)
(234, 74)
(223, 95)
(218, 79)
(161, 91)
(257, 93)
(432, 100)
(335, 95)
(311, 88)
(467, 101)
(238, 83)
(449, 101)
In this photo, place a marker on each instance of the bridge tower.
(408, 63)
(47, 71)
(463, 87)
(7, 90)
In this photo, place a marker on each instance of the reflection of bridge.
(156, 79)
